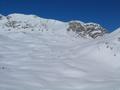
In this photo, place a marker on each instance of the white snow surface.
(54, 59)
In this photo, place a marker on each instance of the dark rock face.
(86, 29)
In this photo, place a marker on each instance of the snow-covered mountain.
(20, 22)
(46, 54)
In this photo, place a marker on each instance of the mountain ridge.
(21, 21)
(37, 54)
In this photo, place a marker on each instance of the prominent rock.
(92, 30)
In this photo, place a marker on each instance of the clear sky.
(104, 12)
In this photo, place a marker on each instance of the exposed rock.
(92, 30)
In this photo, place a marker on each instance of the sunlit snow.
(50, 58)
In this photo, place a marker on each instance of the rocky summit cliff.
(92, 30)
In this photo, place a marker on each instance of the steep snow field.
(45, 56)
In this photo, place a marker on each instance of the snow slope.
(43, 55)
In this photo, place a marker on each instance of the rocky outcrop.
(92, 30)
(21, 22)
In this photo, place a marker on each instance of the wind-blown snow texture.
(42, 54)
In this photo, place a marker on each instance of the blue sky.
(104, 12)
